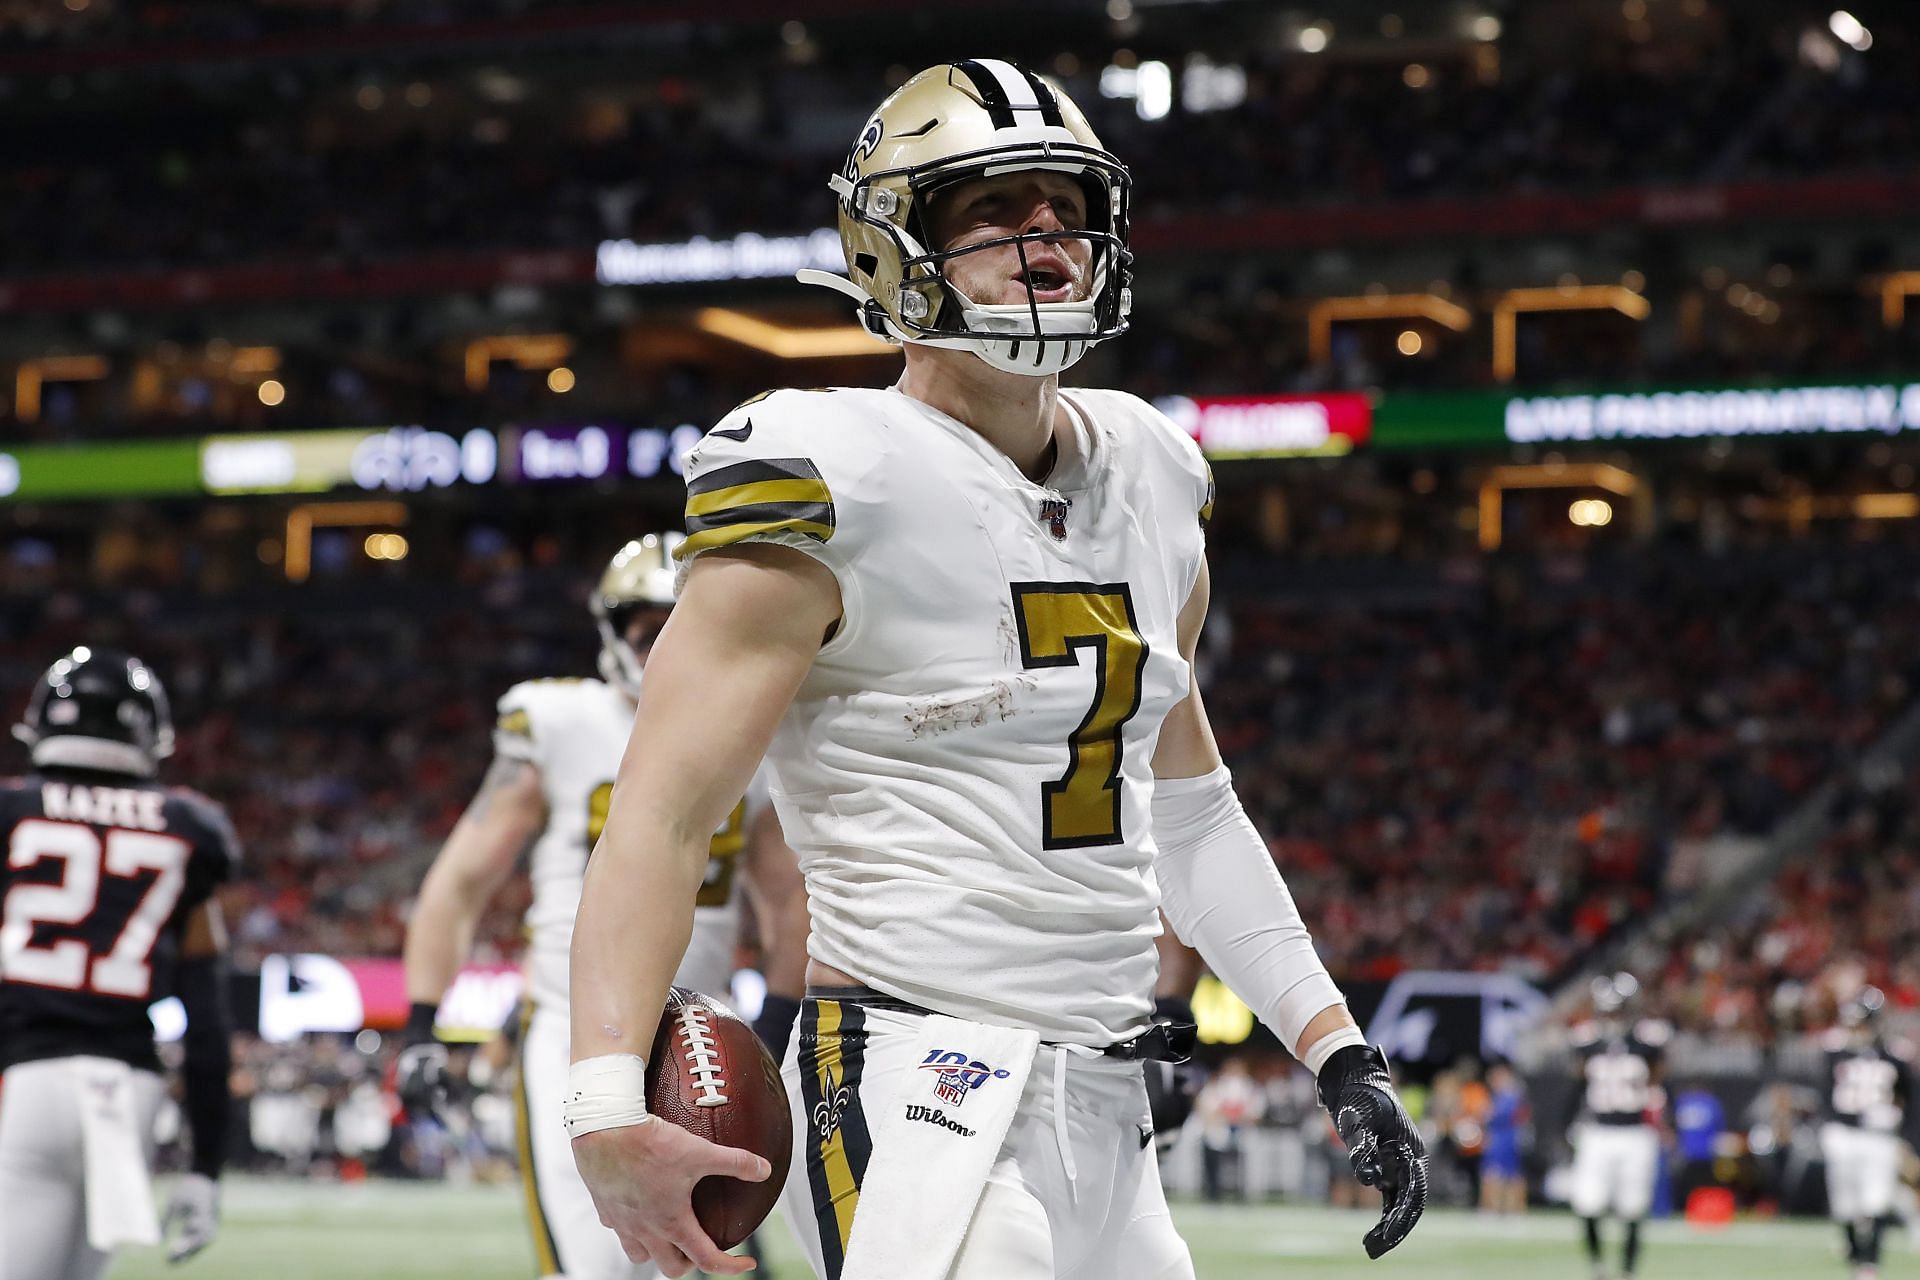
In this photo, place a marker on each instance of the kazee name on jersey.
(143, 810)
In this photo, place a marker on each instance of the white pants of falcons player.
(1863, 1168)
(56, 1165)
(1073, 1194)
(1614, 1166)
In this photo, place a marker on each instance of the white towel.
(934, 1148)
(119, 1188)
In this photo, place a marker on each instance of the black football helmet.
(1614, 994)
(98, 709)
(1861, 1014)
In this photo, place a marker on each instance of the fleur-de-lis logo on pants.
(827, 1112)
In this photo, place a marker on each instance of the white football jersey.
(574, 732)
(965, 771)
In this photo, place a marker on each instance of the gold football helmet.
(948, 124)
(639, 577)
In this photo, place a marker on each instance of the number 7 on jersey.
(1081, 808)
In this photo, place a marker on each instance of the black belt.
(1164, 1041)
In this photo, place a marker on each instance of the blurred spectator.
(1230, 1102)
(1503, 1177)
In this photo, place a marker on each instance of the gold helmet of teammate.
(637, 586)
(949, 124)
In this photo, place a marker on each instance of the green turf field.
(390, 1231)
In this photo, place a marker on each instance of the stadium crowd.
(565, 153)
(1850, 913)
(1475, 763)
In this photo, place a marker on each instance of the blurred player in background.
(557, 746)
(1616, 1153)
(108, 892)
(969, 604)
(1866, 1089)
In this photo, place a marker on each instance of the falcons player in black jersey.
(106, 906)
(1866, 1091)
(1616, 1152)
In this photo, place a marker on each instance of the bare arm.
(1187, 750)
(206, 934)
(779, 896)
(501, 820)
(1180, 967)
(742, 637)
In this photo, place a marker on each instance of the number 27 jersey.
(966, 770)
(99, 878)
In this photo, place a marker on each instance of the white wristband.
(607, 1092)
(1326, 1046)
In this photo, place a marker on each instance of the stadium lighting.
(1153, 91)
(1314, 39)
(1207, 86)
(1382, 306)
(304, 519)
(1486, 28)
(386, 546)
(1850, 30)
(272, 392)
(1409, 342)
(32, 375)
(1895, 289)
(560, 380)
(1886, 506)
(1565, 475)
(1598, 297)
(526, 350)
(786, 343)
(1591, 513)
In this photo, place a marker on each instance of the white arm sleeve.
(1225, 899)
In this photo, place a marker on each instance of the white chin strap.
(619, 665)
(1017, 352)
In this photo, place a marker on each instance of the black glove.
(1383, 1146)
(1171, 1086)
(420, 1073)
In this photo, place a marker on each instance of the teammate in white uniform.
(557, 746)
(963, 610)
(1867, 1089)
(1616, 1152)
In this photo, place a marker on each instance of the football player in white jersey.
(963, 611)
(557, 746)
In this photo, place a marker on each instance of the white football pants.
(43, 1169)
(1614, 1167)
(1107, 1222)
(1863, 1167)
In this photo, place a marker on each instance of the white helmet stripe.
(1018, 89)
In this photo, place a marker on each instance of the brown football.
(709, 1074)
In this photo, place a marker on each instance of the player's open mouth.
(1046, 284)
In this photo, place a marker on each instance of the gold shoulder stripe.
(1206, 507)
(726, 535)
(717, 501)
(516, 722)
(754, 498)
